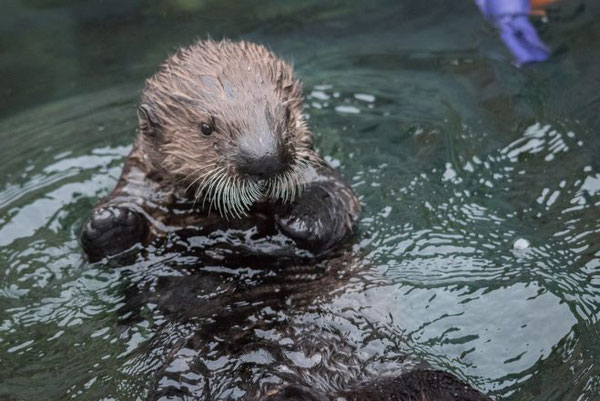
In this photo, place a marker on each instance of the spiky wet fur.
(240, 87)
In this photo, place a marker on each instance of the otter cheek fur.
(222, 145)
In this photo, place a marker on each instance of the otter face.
(225, 120)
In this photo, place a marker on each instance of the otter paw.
(317, 221)
(111, 230)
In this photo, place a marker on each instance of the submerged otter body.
(224, 164)
(272, 334)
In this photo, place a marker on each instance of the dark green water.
(455, 153)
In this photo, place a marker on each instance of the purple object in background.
(511, 17)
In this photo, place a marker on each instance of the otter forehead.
(220, 77)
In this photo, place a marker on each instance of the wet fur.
(415, 385)
(242, 89)
(178, 180)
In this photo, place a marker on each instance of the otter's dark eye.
(206, 129)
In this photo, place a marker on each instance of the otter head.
(224, 119)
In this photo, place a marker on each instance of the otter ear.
(147, 121)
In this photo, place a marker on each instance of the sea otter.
(224, 162)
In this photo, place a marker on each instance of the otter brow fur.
(240, 88)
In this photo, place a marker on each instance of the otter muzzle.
(262, 156)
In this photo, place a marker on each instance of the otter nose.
(261, 157)
(262, 168)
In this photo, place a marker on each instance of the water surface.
(459, 159)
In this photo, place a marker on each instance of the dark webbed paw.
(111, 230)
(321, 217)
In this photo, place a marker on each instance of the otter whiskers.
(233, 196)
(287, 186)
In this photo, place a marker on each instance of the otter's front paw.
(111, 230)
(318, 220)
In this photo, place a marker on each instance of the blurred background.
(456, 154)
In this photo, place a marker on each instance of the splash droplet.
(521, 244)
